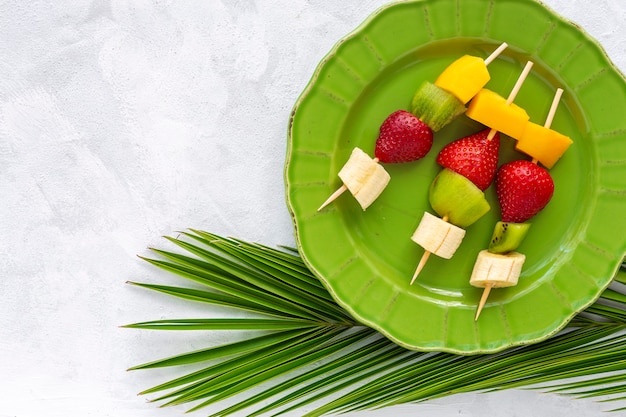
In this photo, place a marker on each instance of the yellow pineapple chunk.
(464, 77)
(543, 144)
(492, 110)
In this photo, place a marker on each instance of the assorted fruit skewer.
(408, 136)
(523, 189)
(469, 166)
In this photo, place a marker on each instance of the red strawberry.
(403, 138)
(523, 189)
(474, 157)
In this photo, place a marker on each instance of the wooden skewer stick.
(520, 81)
(553, 107)
(514, 91)
(495, 53)
(547, 124)
(337, 193)
(552, 112)
(492, 133)
(423, 260)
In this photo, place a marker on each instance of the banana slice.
(357, 170)
(438, 236)
(373, 187)
(497, 270)
(364, 177)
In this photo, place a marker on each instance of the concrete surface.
(122, 121)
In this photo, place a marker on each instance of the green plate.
(366, 259)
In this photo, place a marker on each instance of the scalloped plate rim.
(309, 86)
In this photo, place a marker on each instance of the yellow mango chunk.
(464, 77)
(492, 110)
(543, 144)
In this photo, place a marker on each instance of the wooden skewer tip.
(337, 193)
(420, 266)
(333, 196)
(495, 53)
(482, 302)
(424, 258)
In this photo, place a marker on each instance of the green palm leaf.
(193, 380)
(301, 325)
(224, 324)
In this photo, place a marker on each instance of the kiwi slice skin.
(435, 106)
(507, 236)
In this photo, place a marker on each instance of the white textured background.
(121, 121)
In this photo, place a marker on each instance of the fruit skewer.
(499, 266)
(407, 136)
(465, 195)
(513, 93)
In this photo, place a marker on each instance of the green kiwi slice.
(453, 196)
(507, 236)
(435, 106)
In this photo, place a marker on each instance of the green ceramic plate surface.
(366, 259)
